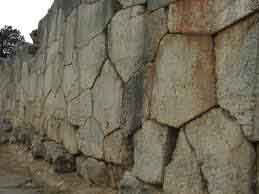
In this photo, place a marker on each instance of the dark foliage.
(9, 37)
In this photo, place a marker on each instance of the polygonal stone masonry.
(80, 108)
(90, 60)
(126, 40)
(206, 17)
(184, 79)
(183, 173)
(226, 158)
(90, 139)
(69, 138)
(237, 73)
(107, 95)
(155, 29)
(155, 4)
(92, 20)
(152, 148)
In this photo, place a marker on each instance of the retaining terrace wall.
(163, 94)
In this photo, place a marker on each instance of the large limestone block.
(237, 73)
(227, 159)
(90, 139)
(90, 60)
(70, 84)
(107, 95)
(117, 148)
(126, 40)
(206, 17)
(127, 3)
(92, 20)
(69, 138)
(152, 145)
(156, 28)
(132, 104)
(184, 79)
(183, 174)
(69, 38)
(80, 108)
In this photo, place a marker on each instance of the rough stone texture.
(92, 19)
(213, 16)
(90, 60)
(71, 82)
(152, 145)
(156, 28)
(69, 38)
(108, 110)
(126, 46)
(227, 159)
(80, 108)
(62, 161)
(131, 185)
(117, 148)
(184, 83)
(38, 148)
(128, 3)
(237, 73)
(132, 103)
(90, 139)
(154, 4)
(69, 138)
(183, 174)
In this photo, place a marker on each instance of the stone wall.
(155, 96)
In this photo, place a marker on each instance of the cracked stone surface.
(126, 46)
(127, 3)
(80, 108)
(213, 16)
(154, 4)
(92, 19)
(227, 159)
(108, 110)
(182, 175)
(184, 80)
(237, 74)
(152, 145)
(90, 60)
(90, 139)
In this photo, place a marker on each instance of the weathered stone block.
(90, 139)
(62, 161)
(182, 175)
(71, 81)
(156, 28)
(92, 19)
(126, 46)
(206, 17)
(152, 145)
(69, 138)
(237, 73)
(90, 60)
(108, 110)
(117, 148)
(128, 3)
(69, 38)
(184, 80)
(131, 185)
(80, 108)
(226, 158)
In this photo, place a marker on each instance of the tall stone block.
(92, 20)
(237, 72)
(184, 80)
(126, 41)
